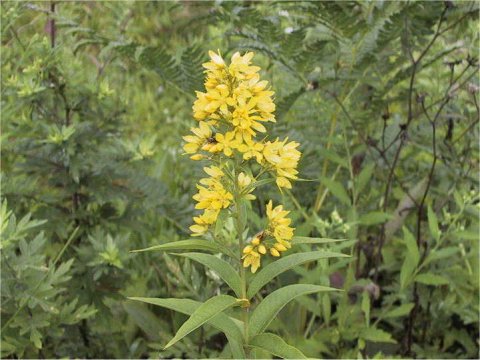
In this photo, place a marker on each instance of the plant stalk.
(243, 280)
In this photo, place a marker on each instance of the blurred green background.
(95, 98)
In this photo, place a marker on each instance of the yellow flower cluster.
(278, 228)
(212, 197)
(232, 111)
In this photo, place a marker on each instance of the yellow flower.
(240, 66)
(214, 171)
(245, 120)
(225, 143)
(244, 181)
(284, 159)
(214, 99)
(214, 197)
(252, 253)
(216, 63)
(283, 182)
(198, 230)
(252, 259)
(199, 106)
(217, 70)
(278, 226)
(203, 221)
(235, 96)
(251, 149)
(215, 174)
(200, 139)
(271, 150)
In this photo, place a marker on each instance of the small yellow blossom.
(203, 221)
(283, 157)
(252, 258)
(214, 171)
(251, 149)
(200, 139)
(240, 66)
(225, 143)
(213, 197)
(278, 225)
(244, 181)
(252, 253)
(197, 157)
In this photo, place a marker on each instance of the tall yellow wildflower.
(234, 109)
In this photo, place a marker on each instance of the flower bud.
(280, 247)
(248, 249)
(197, 157)
(274, 252)
(262, 249)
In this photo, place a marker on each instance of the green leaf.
(220, 223)
(364, 177)
(221, 321)
(144, 318)
(275, 345)
(411, 244)
(327, 308)
(441, 254)
(401, 310)
(184, 245)
(273, 303)
(406, 271)
(433, 224)
(365, 306)
(310, 240)
(333, 156)
(336, 189)
(36, 338)
(283, 264)
(202, 314)
(376, 335)
(466, 235)
(256, 184)
(431, 279)
(374, 217)
(221, 267)
(411, 260)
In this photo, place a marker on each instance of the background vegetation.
(383, 97)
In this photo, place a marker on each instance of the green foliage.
(274, 302)
(34, 302)
(276, 346)
(383, 97)
(226, 271)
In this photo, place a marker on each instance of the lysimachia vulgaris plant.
(231, 138)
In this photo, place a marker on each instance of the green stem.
(243, 281)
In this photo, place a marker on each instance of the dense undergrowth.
(382, 98)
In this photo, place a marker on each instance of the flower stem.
(243, 281)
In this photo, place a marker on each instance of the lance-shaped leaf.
(281, 265)
(184, 245)
(275, 345)
(202, 314)
(221, 267)
(220, 321)
(268, 309)
(310, 240)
